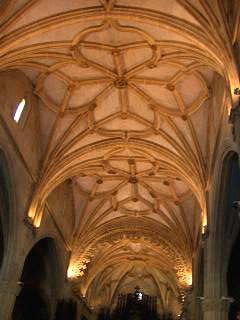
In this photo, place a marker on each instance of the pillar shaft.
(215, 309)
(215, 304)
(235, 120)
(9, 291)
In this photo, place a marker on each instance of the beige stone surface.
(127, 124)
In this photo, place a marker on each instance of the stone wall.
(23, 152)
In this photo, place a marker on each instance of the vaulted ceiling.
(133, 95)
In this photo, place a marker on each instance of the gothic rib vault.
(133, 96)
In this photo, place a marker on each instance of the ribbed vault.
(133, 95)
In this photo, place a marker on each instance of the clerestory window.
(19, 110)
(22, 111)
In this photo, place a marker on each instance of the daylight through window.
(19, 110)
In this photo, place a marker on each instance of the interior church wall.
(24, 161)
(23, 144)
(23, 155)
(209, 256)
(215, 245)
(14, 86)
(63, 208)
(40, 279)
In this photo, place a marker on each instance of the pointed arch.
(39, 281)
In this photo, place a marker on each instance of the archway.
(39, 283)
(233, 279)
(229, 230)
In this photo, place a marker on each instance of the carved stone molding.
(10, 287)
(216, 304)
(139, 185)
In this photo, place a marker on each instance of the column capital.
(10, 287)
(216, 304)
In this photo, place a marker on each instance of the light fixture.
(204, 229)
(205, 232)
(190, 279)
(138, 294)
(70, 272)
(204, 225)
(237, 91)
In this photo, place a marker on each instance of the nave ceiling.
(133, 95)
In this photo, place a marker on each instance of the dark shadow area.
(233, 279)
(38, 280)
(4, 205)
(230, 192)
(66, 310)
(30, 305)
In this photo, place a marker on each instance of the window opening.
(19, 110)
(138, 293)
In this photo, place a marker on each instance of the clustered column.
(235, 120)
(216, 309)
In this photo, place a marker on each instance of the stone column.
(216, 308)
(9, 291)
(189, 305)
(194, 308)
(197, 309)
(53, 303)
(235, 120)
(214, 305)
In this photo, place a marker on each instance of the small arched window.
(21, 112)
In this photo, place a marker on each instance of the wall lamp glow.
(237, 91)
(205, 232)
